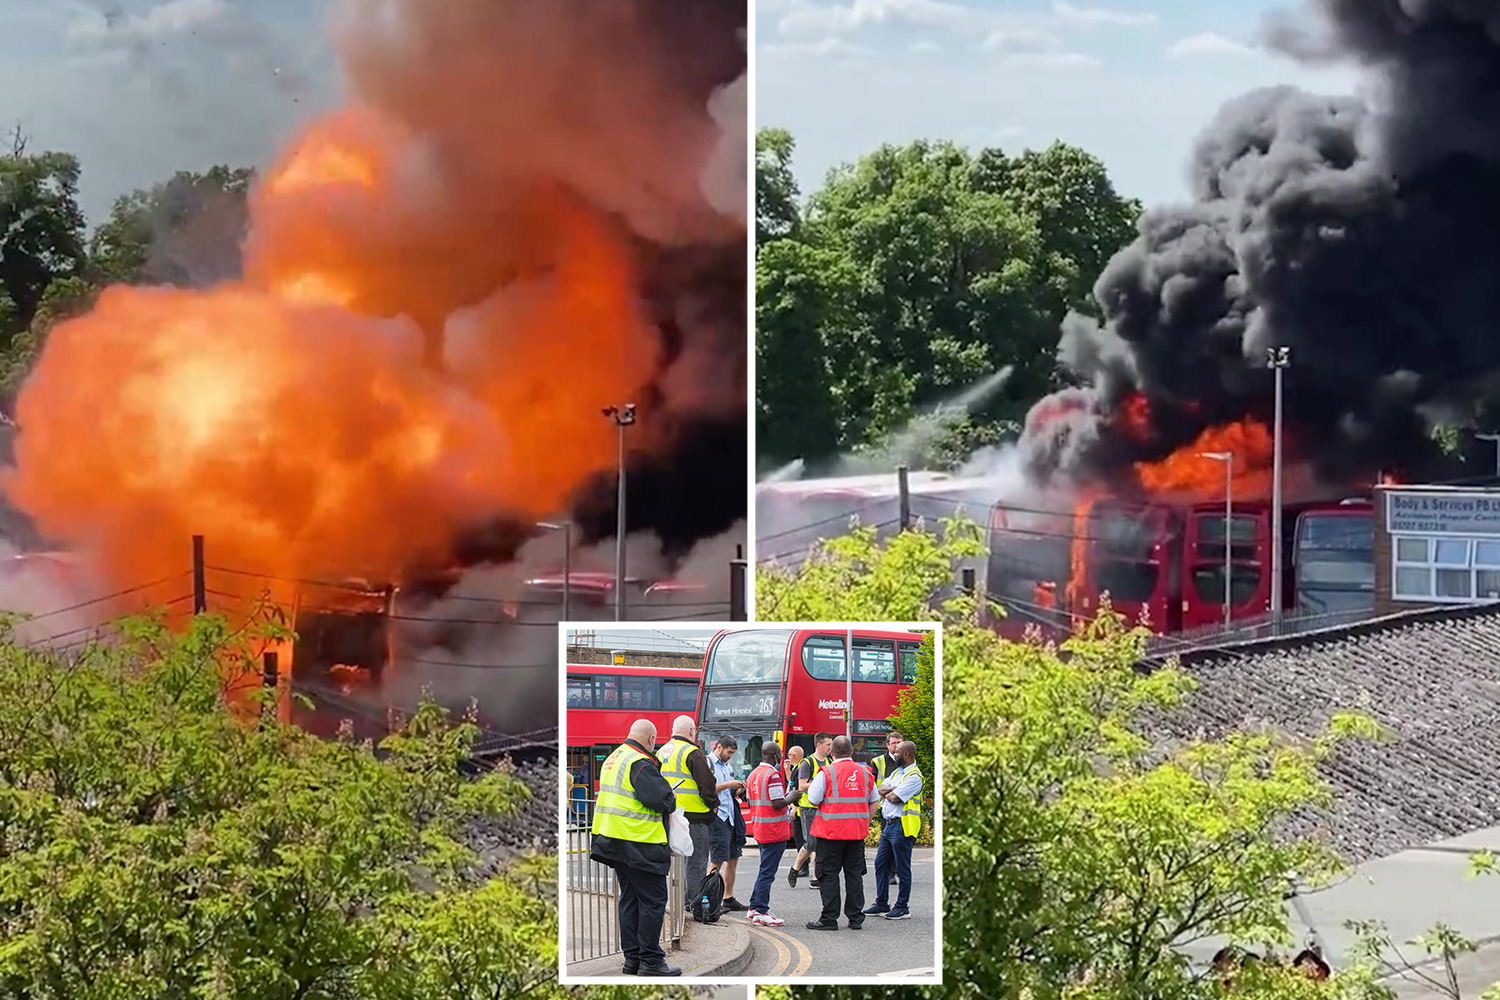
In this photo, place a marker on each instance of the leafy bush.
(156, 843)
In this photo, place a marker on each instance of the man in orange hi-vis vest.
(843, 792)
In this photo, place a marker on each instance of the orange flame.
(300, 419)
(1135, 416)
(1078, 554)
(1189, 472)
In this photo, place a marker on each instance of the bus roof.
(862, 633)
(599, 668)
(876, 485)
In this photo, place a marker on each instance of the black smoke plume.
(1358, 232)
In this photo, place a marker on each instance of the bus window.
(823, 657)
(639, 693)
(908, 663)
(875, 661)
(679, 696)
(606, 692)
(750, 755)
(753, 657)
(580, 692)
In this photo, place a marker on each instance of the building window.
(1448, 570)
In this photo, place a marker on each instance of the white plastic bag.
(679, 837)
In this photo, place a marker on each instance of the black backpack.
(710, 899)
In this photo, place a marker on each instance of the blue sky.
(142, 88)
(1132, 81)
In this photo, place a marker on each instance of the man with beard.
(901, 821)
(771, 827)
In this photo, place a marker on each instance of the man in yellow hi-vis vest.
(886, 764)
(686, 769)
(901, 816)
(630, 836)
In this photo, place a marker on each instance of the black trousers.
(796, 831)
(848, 857)
(643, 904)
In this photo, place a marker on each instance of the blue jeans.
(894, 848)
(770, 860)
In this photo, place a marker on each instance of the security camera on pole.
(623, 416)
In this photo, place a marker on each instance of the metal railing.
(594, 895)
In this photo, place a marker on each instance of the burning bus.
(1164, 563)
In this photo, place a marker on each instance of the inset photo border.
(740, 697)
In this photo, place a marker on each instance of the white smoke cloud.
(726, 180)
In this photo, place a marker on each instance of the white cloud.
(1052, 61)
(824, 48)
(813, 18)
(926, 46)
(808, 18)
(1070, 14)
(1020, 39)
(1208, 43)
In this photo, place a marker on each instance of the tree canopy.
(159, 844)
(910, 276)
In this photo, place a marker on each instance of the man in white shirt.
(901, 820)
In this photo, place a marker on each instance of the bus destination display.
(741, 703)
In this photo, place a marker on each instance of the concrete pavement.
(1410, 892)
(881, 948)
(708, 951)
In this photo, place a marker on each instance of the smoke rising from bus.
(1354, 231)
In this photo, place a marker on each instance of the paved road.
(881, 947)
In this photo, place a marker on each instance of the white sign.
(825, 703)
(1443, 513)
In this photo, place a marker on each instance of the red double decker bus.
(602, 702)
(788, 684)
(1165, 562)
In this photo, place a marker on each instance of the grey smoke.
(1355, 230)
(456, 649)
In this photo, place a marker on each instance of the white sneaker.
(750, 915)
(768, 919)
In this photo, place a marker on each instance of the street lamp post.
(1227, 458)
(1496, 439)
(566, 527)
(623, 416)
(1278, 359)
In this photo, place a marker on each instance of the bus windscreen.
(752, 657)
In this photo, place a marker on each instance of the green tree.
(776, 194)
(41, 231)
(860, 577)
(961, 265)
(185, 231)
(161, 844)
(799, 289)
(63, 299)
